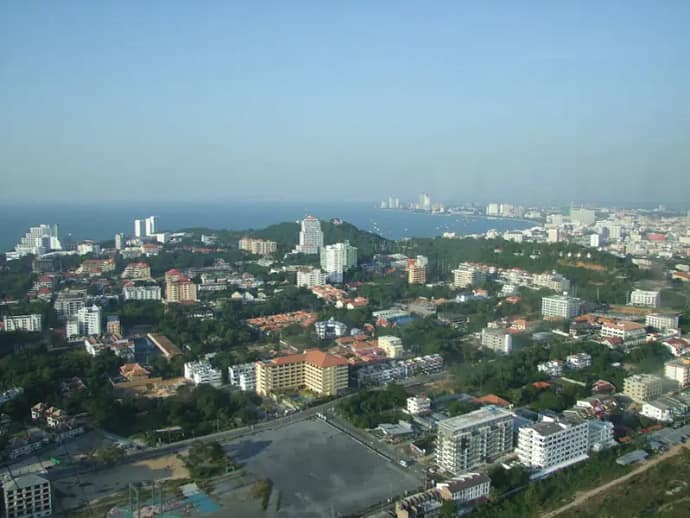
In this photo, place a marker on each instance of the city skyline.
(119, 101)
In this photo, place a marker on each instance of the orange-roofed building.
(133, 371)
(541, 384)
(491, 399)
(323, 373)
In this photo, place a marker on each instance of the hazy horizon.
(161, 101)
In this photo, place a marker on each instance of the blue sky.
(516, 101)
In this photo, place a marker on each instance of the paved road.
(583, 497)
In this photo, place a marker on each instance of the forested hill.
(367, 243)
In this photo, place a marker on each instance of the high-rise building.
(310, 236)
(309, 277)
(498, 340)
(468, 274)
(119, 241)
(548, 446)
(27, 496)
(179, 288)
(322, 373)
(416, 270)
(337, 259)
(139, 228)
(86, 322)
(30, 323)
(424, 202)
(151, 223)
(258, 246)
(645, 298)
(473, 439)
(584, 217)
(560, 306)
(37, 241)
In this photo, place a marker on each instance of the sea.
(103, 221)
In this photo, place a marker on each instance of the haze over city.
(529, 102)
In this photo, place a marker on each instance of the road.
(583, 497)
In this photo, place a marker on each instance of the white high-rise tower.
(310, 236)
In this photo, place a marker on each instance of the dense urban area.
(312, 368)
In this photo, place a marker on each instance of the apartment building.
(560, 306)
(497, 339)
(258, 246)
(643, 387)
(27, 496)
(329, 329)
(323, 373)
(553, 368)
(31, 323)
(548, 446)
(87, 322)
(69, 302)
(310, 236)
(243, 375)
(470, 440)
(139, 270)
(578, 361)
(469, 274)
(662, 321)
(309, 277)
(337, 259)
(463, 490)
(201, 371)
(391, 345)
(418, 405)
(678, 370)
(665, 409)
(645, 298)
(97, 266)
(179, 288)
(553, 281)
(130, 291)
(629, 332)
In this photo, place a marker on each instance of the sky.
(257, 100)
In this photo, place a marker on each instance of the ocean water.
(102, 221)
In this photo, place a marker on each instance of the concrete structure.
(68, 303)
(662, 321)
(164, 345)
(645, 298)
(130, 291)
(323, 373)
(31, 323)
(560, 306)
(553, 368)
(642, 387)
(391, 345)
(27, 496)
(150, 225)
(473, 439)
(583, 216)
(310, 236)
(87, 322)
(119, 241)
(469, 274)
(629, 332)
(550, 446)
(201, 371)
(112, 325)
(678, 370)
(309, 277)
(37, 241)
(337, 259)
(179, 288)
(665, 409)
(418, 405)
(139, 228)
(553, 281)
(416, 270)
(138, 270)
(463, 491)
(330, 329)
(497, 339)
(258, 246)
(578, 361)
(243, 375)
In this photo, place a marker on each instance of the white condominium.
(31, 323)
(473, 439)
(37, 241)
(258, 246)
(139, 228)
(87, 322)
(679, 371)
(310, 236)
(552, 445)
(649, 299)
(625, 330)
(468, 274)
(202, 372)
(643, 387)
(130, 291)
(150, 225)
(243, 376)
(392, 346)
(418, 405)
(27, 496)
(498, 340)
(338, 258)
(662, 321)
(309, 277)
(560, 306)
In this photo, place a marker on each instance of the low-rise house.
(665, 409)
(201, 371)
(578, 361)
(553, 368)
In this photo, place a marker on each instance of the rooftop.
(475, 418)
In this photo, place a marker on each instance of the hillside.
(367, 243)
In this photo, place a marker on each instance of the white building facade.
(310, 236)
(30, 323)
